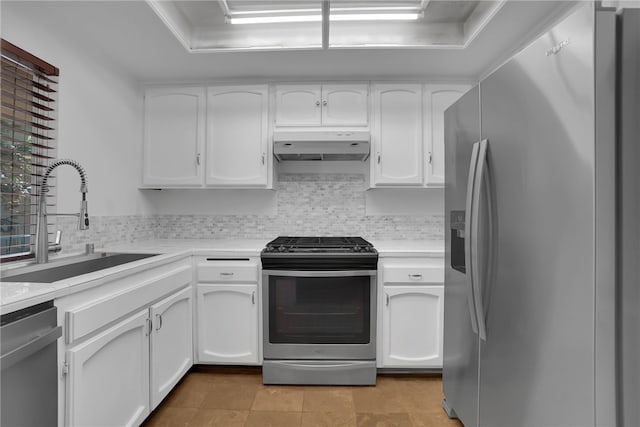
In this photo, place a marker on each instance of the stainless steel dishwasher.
(28, 363)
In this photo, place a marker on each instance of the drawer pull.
(415, 276)
(226, 274)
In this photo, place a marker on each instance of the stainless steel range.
(319, 310)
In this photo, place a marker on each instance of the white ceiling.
(132, 37)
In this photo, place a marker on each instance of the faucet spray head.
(83, 217)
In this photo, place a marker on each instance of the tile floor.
(228, 396)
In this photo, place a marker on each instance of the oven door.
(319, 314)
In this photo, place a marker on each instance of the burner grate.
(323, 244)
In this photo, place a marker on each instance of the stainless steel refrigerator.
(541, 232)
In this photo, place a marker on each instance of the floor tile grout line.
(429, 386)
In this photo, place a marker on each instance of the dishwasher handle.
(27, 349)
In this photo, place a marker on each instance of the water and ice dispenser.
(457, 241)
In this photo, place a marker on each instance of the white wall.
(100, 125)
(99, 117)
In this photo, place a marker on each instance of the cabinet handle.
(415, 276)
(324, 102)
(253, 297)
(149, 327)
(226, 274)
(387, 299)
(317, 103)
(263, 157)
(198, 159)
(430, 158)
(158, 322)
(378, 158)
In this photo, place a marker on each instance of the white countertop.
(409, 248)
(237, 247)
(17, 295)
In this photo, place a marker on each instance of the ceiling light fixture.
(376, 17)
(317, 18)
(273, 19)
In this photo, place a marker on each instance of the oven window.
(319, 310)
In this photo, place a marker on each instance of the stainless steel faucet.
(42, 240)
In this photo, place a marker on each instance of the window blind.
(27, 128)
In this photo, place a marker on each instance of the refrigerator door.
(628, 226)
(537, 363)
(460, 365)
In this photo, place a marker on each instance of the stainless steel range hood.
(321, 145)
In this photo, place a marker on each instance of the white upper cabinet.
(237, 136)
(397, 135)
(345, 105)
(437, 98)
(298, 105)
(219, 137)
(174, 129)
(322, 105)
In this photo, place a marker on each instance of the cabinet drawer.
(84, 320)
(227, 272)
(408, 274)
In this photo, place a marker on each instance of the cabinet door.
(171, 342)
(412, 326)
(397, 135)
(298, 105)
(108, 377)
(237, 128)
(173, 137)
(345, 105)
(228, 323)
(436, 100)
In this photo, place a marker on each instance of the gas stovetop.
(321, 245)
(319, 253)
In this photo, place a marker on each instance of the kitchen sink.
(64, 269)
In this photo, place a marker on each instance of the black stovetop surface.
(319, 253)
(328, 244)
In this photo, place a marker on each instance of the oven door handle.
(347, 273)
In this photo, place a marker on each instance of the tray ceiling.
(208, 25)
(130, 37)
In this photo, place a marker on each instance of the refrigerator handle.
(476, 274)
(468, 227)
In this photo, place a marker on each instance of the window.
(27, 129)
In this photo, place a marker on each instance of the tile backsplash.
(307, 204)
(104, 231)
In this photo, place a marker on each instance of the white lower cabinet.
(228, 310)
(411, 312)
(108, 382)
(228, 323)
(412, 326)
(171, 342)
(127, 343)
